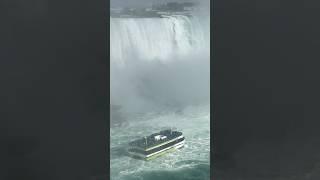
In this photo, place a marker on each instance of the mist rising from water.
(159, 63)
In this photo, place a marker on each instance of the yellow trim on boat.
(160, 154)
(164, 143)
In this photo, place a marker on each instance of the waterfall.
(155, 38)
(159, 62)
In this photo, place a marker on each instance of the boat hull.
(149, 156)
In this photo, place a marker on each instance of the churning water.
(160, 77)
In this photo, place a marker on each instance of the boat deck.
(151, 142)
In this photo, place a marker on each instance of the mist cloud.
(154, 85)
(182, 79)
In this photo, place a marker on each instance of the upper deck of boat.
(151, 141)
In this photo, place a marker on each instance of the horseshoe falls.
(155, 38)
(159, 78)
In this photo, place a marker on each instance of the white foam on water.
(193, 122)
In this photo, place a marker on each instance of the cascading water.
(158, 63)
(151, 59)
(155, 38)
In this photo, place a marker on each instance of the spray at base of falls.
(159, 62)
